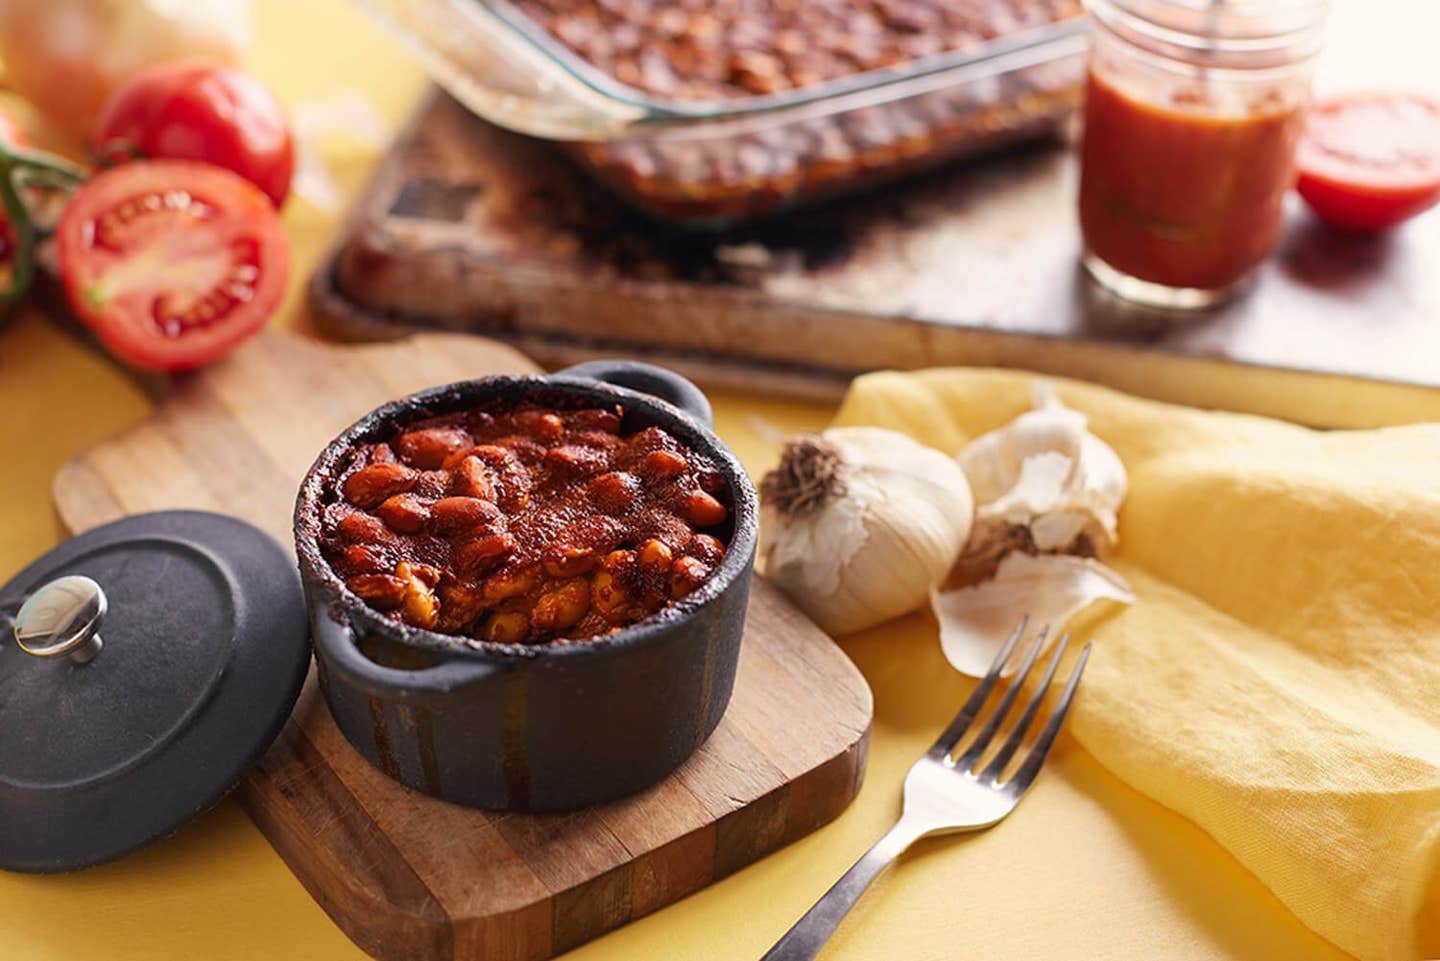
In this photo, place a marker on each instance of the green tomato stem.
(24, 158)
(22, 270)
(22, 168)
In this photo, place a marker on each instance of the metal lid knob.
(63, 618)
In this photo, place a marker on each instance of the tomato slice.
(1368, 161)
(172, 263)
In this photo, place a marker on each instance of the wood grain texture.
(407, 876)
(466, 227)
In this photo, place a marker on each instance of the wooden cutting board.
(409, 877)
(467, 227)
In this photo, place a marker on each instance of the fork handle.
(804, 941)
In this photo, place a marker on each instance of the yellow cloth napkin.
(1278, 680)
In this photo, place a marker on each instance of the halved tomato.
(172, 263)
(1368, 161)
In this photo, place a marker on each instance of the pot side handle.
(335, 642)
(648, 379)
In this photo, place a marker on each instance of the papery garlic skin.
(1049, 589)
(886, 535)
(1045, 474)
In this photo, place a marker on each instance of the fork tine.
(956, 730)
(1027, 717)
(987, 733)
(1020, 783)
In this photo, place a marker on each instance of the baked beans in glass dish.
(521, 523)
(708, 114)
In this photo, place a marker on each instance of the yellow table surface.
(1086, 868)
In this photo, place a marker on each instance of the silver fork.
(943, 794)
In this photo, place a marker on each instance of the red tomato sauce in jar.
(1184, 194)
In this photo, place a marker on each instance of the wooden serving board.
(409, 877)
(469, 227)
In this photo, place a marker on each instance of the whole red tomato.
(195, 111)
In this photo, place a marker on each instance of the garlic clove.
(1039, 487)
(1045, 475)
(1100, 487)
(994, 460)
(1050, 589)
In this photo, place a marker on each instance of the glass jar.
(1193, 110)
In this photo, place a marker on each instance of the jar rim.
(1229, 34)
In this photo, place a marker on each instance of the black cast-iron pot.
(544, 727)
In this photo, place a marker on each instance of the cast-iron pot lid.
(109, 742)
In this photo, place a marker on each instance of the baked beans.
(525, 524)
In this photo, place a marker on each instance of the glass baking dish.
(713, 162)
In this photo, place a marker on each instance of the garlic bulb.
(859, 524)
(68, 56)
(1042, 484)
